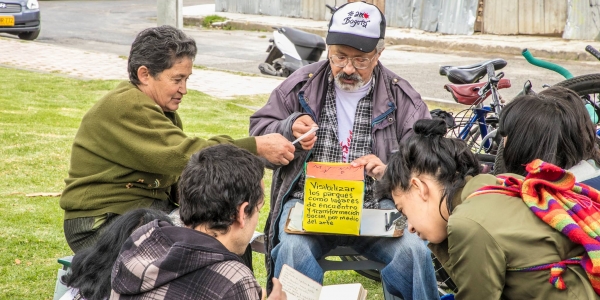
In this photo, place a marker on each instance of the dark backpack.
(444, 115)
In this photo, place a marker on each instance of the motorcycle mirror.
(528, 88)
(332, 9)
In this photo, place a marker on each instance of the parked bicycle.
(477, 124)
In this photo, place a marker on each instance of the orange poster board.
(333, 198)
(337, 171)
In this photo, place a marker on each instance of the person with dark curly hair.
(221, 192)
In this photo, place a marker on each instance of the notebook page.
(298, 286)
(295, 217)
(349, 291)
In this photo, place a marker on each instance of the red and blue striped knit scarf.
(569, 207)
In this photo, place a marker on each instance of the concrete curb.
(492, 49)
(433, 41)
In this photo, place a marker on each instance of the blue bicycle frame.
(478, 118)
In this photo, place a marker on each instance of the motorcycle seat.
(302, 38)
(471, 73)
(467, 94)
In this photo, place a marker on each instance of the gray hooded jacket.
(161, 262)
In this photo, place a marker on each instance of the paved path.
(540, 46)
(93, 65)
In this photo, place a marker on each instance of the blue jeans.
(408, 273)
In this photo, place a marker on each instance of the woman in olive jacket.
(480, 240)
(130, 148)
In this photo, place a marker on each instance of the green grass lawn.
(39, 116)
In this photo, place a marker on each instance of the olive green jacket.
(489, 233)
(128, 153)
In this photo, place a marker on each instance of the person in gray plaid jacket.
(362, 111)
(221, 192)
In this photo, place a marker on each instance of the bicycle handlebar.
(546, 65)
(593, 51)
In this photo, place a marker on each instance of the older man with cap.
(362, 111)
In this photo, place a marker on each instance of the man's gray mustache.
(345, 76)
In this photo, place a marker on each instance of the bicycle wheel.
(486, 158)
(461, 120)
(583, 85)
(473, 140)
(442, 276)
(588, 87)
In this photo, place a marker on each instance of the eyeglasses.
(359, 63)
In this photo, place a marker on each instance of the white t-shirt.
(346, 103)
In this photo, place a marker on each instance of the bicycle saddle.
(467, 94)
(471, 73)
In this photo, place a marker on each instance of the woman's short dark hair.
(92, 266)
(427, 151)
(158, 48)
(553, 126)
(215, 182)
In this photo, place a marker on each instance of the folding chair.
(59, 288)
(258, 245)
(357, 265)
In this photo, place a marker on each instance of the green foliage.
(40, 114)
(208, 20)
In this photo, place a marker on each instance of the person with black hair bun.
(484, 241)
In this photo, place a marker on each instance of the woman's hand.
(275, 148)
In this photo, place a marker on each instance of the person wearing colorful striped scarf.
(498, 238)
(559, 130)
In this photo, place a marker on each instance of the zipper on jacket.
(305, 105)
(380, 118)
(312, 114)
